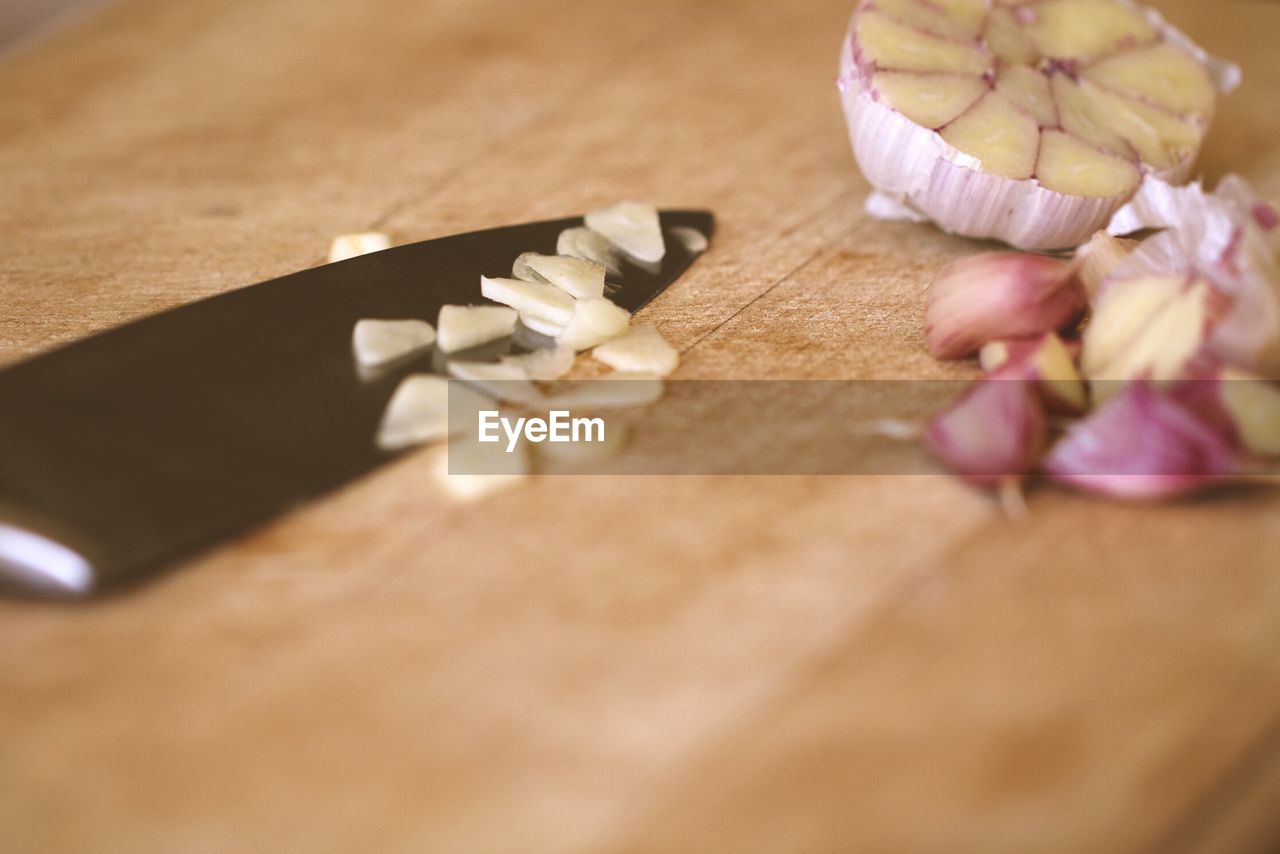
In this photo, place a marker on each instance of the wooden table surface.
(600, 663)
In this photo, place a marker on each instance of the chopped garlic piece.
(613, 391)
(376, 342)
(690, 238)
(537, 298)
(521, 270)
(586, 244)
(641, 350)
(544, 364)
(418, 412)
(541, 325)
(500, 380)
(468, 470)
(594, 322)
(352, 245)
(461, 327)
(632, 227)
(576, 277)
(1148, 328)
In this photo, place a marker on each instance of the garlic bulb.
(1029, 123)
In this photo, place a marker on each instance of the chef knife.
(123, 452)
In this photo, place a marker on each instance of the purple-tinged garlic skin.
(996, 432)
(999, 295)
(1142, 444)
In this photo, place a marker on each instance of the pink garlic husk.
(1142, 444)
(917, 174)
(994, 433)
(997, 295)
(1231, 238)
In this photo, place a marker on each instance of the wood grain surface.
(600, 663)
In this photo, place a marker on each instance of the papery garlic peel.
(1228, 238)
(1142, 443)
(1030, 123)
(998, 295)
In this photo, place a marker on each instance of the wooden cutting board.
(598, 663)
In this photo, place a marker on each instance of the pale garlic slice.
(594, 322)
(576, 277)
(346, 246)
(581, 242)
(541, 325)
(544, 300)
(632, 227)
(418, 412)
(467, 469)
(691, 239)
(460, 327)
(505, 380)
(1027, 122)
(641, 350)
(544, 364)
(376, 342)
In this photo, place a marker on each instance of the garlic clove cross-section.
(1027, 122)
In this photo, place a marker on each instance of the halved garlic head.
(1027, 122)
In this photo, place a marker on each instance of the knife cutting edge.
(125, 451)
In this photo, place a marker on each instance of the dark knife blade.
(125, 451)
